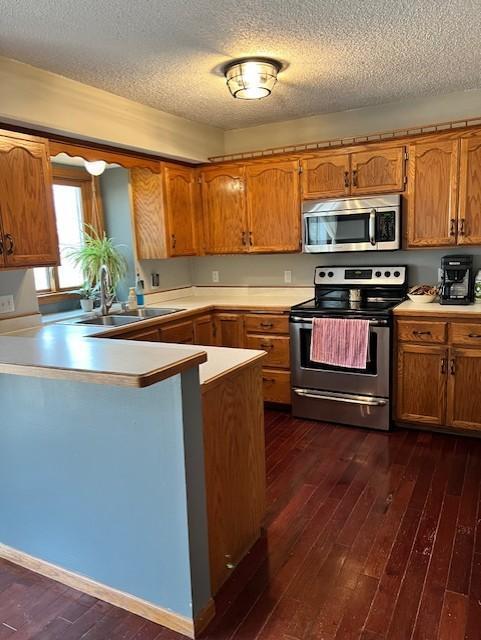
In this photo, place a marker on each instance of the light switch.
(215, 276)
(6, 304)
(288, 277)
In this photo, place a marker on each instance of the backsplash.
(268, 270)
(21, 285)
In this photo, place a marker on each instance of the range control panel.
(357, 276)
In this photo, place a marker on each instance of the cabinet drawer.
(421, 331)
(277, 348)
(276, 386)
(266, 323)
(180, 332)
(465, 333)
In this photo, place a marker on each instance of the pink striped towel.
(340, 342)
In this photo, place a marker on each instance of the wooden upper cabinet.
(433, 193)
(326, 176)
(224, 209)
(421, 383)
(469, 211)
(179, 201)
(273, 206)
(148, 214)
(464, 399)
(377, 171)
(27, 216)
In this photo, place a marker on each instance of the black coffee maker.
(457, 281)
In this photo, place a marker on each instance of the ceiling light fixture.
(95, 168)
(251, 78)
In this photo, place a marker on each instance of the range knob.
(322, 274)
(397, 274)
(387, 274)
(378, 274)
(330, 274)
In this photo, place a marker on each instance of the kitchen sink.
(148, 313)
(110, 321)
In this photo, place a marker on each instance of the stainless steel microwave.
(352, 224)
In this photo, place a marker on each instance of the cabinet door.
(179, 184)
(377, 171)
(147, 335)
(148, 214)
(230, 330)
(26, 203)
(326, 176)
(273, 206)
(464, 397)
(421, 384)
(204, 331)
(431, 216)
(224, 209)
(469, 224)
(178, 332)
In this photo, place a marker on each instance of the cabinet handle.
(267, 345)
(11, 244)
(474, 335)
(1, 246)
(346, 178)
(268, 380)
(462, 227)
(251, 241)
(354, 178)
(422, 333)
(174, 241)
(267, 325)
(452, 366)
(244, 241)
(452, 228)
(444, 362)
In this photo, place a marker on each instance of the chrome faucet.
(106, 297)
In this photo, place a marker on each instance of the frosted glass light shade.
(251, 78)
(95, 168)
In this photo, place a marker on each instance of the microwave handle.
(372, 227)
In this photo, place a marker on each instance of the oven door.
(372, 381)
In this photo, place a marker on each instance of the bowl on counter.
(424, 298)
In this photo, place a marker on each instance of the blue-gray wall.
(96, 479)
(114, 188)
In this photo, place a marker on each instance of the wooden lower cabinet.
(234, 468)
(439, 385)
(464, 389)
(147, 335)
(205, 331)
(229, 330)
(277, 348)
(421, 391)
(179, 332)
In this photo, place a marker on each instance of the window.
(74, 204)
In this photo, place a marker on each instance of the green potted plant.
(95, 251)
(87, 297)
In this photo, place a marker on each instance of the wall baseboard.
(174, 621)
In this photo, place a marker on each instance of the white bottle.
(477, 288)
(132, 299)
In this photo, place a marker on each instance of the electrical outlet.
(215, 276)
(288, 277)
(6, 304)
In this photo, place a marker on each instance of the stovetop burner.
(377, 289)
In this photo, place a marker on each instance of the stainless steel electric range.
(358, 397)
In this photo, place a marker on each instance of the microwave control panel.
(386, 226)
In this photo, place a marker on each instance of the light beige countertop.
(409, 308)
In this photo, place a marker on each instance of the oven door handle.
(348, 399)
(308, 323)
(372, 227)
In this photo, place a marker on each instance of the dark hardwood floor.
(369, 536)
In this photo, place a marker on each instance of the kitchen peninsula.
(127, 459)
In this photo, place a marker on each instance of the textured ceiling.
(340, 54)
